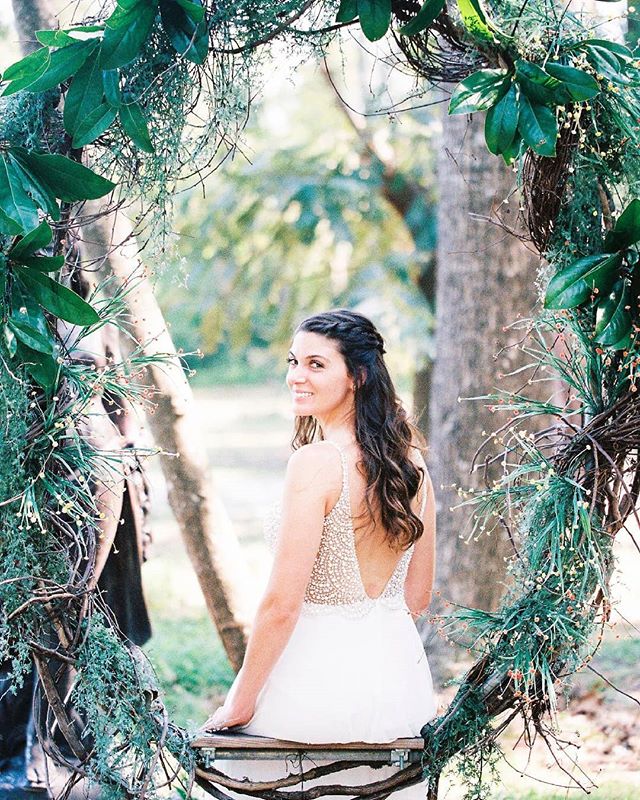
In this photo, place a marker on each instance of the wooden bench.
(242, 746)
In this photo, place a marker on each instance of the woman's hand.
(230, 715)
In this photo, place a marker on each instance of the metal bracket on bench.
(398, 758)
(209, 754)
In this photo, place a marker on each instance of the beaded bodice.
(335, 579)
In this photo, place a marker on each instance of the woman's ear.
(362, 377)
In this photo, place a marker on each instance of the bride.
(334, 655)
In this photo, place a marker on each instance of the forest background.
(305, 218)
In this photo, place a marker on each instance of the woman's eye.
(316, 364)
(291, 361)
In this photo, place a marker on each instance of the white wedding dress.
(354, 669)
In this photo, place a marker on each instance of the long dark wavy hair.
(383, 430)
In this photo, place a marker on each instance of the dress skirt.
(347, 674)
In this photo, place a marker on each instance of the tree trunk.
(205, 527)
(485, 280)
(211, 544)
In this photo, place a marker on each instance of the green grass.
(608, 791)
(191, 666)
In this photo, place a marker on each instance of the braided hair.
(383, 430)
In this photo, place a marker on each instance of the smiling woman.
(334, 655)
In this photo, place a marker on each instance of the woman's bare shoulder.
(317, 462)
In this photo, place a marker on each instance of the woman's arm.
(312, 474)
(418, 586)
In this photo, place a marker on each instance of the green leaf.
(10, 340)
(501, 123)
(41, 366)
(375, 17)
(84, 94)
(111, 86)
(94, 125)
(29, 67)
(30, 336)
(35, 240)
(348, 11)
(576, 283)
(189, 38)
(194, 9)
(63, 63)
(14, 201)
(626, 231)
(474, 20)
(135, 124)
(56, 298)
(9, 226)
(43, 263)
(578, 83)
(125, 33)
(538, 126)
(67, 179)
(55, 38)
(613, 318)
(511, 153)
(479, 91)
(42, 195)
(540, 88)
(64, 37)
(623, 53)
(427, 15)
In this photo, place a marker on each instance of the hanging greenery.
(155, 92)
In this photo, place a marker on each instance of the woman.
(334, 655)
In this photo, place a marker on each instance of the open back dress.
(354, 669)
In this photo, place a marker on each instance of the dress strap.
(345, 470)
(423, 505)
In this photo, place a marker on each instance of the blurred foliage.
(300, 223)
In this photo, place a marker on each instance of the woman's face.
(317, 378)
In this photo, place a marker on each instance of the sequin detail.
(336, 582)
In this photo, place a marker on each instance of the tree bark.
(485, 279)
(205, 527)
(31, 16)
(211, 544)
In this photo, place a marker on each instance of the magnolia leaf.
(474, 20)
(111, 86)
(134, 123)
(30, 336)
(94, 125)
(501, 123)
(194, 9)
(348, 11)
(578, 83)
(42, 195)
(67, 179)
(56, 298)
(479, 91)
(43, 263)
(511, 153)
(538, 126)
(189, 38)
(26, 71)
(540, 88)
(613, 320)
(424, 18)
(63, 63)
(35, 240)
(125, 33)
(14, 201)
(84, 94)
(375, 17)
(63, 37)
(626, 231)
(41, 366)
(574, 285)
